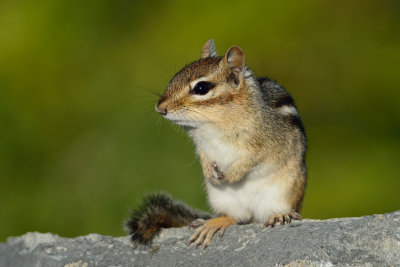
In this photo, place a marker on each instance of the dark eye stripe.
(202, 88)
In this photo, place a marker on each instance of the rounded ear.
(235, 58)
(208, 49)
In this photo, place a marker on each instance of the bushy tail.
(156, 211)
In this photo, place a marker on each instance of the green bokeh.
(80, 142)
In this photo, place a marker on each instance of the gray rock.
(365, 241)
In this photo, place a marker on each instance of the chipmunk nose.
(162, 111)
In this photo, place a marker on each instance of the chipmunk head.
(205, 90)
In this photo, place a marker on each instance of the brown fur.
(238, 112)
(256, 116)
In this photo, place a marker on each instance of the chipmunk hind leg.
(205, 233)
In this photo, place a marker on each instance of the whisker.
(158, 125)
(159, 121)
(149, 112)
(191, 162)
(147, 102)
(201, 114)
(156, 93)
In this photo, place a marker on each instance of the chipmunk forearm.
(205, 163)
(237, 170)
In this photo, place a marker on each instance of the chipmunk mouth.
(181, 120)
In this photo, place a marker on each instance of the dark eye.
(202, 88)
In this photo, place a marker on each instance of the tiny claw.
(273, 222)
(221, 234)
(295, 216)
(220, 175)
(287, 219)
(282, 218)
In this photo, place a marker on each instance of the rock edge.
(363, 241)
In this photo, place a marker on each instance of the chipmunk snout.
(162, 111)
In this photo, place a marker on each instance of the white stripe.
(288, 110)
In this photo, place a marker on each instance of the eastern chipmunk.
(250, 141)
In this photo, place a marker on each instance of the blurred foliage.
(80, 142)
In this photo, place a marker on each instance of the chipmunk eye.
(202, 88)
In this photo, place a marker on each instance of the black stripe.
(295, 121)
(284, 100)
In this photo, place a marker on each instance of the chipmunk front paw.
(212, 173)
(217, 177)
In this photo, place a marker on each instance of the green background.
(80, 141)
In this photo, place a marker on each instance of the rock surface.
(367, 241)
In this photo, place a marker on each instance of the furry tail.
(158, 211)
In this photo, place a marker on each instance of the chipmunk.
(250, 141)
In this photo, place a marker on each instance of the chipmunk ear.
(208, 49)
(235, 59)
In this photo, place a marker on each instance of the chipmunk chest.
(217, 147)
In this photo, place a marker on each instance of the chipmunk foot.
(282, 218)
(205, 233)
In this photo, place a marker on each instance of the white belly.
(254, 198)
(211, 142)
